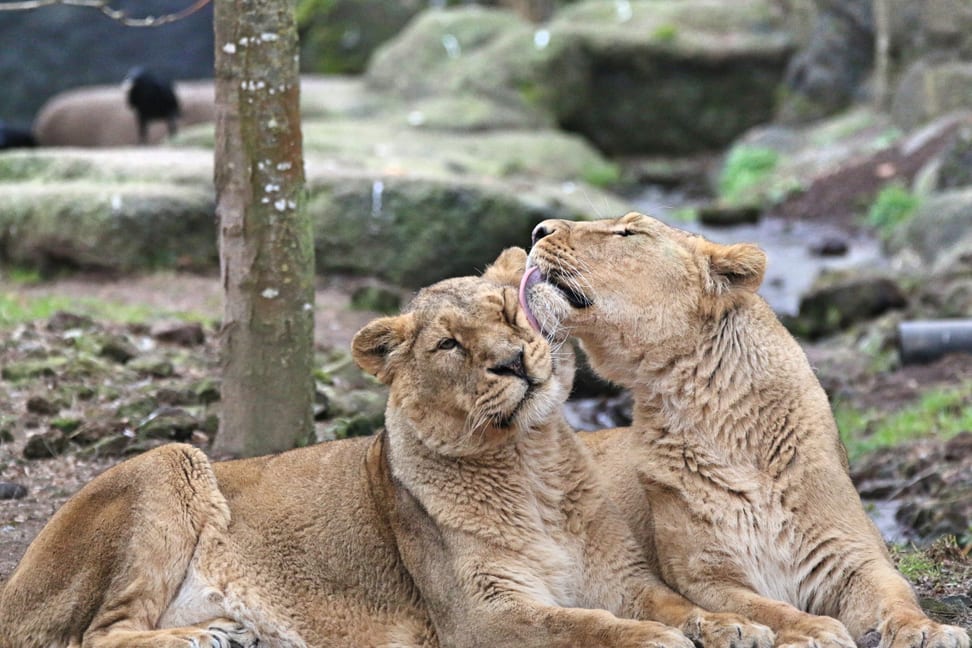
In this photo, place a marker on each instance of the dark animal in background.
(153, 99)
(13, 137)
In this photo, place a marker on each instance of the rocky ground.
(79, 393)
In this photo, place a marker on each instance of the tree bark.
(266, 242)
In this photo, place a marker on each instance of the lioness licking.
(733, 444)
(475, 519)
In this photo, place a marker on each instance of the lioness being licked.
(475, 519)
(733, 444)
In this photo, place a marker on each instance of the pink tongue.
(531, 277)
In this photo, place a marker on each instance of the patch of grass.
(915, 565)
(940, 413)
(18, 309)
(746, 167)
(602, 175)
(893, 206)
(666, 33)
(22, 276)
(685, 214)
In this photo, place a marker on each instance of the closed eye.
(625, 232)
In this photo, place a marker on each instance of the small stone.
(182, 333)
(157, 367)
(45, 444)
(112, 445)
(720, 215)
(829, 246)
(118, 348)
(43, 406)
(65, 321)
(94, 432)
(171, 423)
(207, 390)
(10, 490)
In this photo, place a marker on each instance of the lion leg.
(709, 629)
(116, 553)
(217, 633)
(793, 627)
(879, 598)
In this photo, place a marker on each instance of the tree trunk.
(266, 242)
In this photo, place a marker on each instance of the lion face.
(466, 370)
(633, 289)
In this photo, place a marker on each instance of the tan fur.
(733, 472)
(476, 519)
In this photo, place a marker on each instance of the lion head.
(465, 369)
(637, 292)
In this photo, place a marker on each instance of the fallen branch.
(106, 9)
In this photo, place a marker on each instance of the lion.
(475, 518)
(733, 443)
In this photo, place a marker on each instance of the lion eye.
(447, 343)
(625, 232)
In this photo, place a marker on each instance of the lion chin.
(733, 443)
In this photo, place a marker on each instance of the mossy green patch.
(892, 207)
(939, 413)
(746, 168)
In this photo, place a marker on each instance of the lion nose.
(540, 231)
(511, 367)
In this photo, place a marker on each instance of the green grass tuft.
(746, 168)
(940, 413)
(893, 206)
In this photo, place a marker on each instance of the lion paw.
(716, 630)
(226, 633)
(816, 632)
(922, 633)
(649, 634)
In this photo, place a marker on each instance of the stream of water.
(793, 265)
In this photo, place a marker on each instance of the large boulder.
(408, 206)
(116, 227)
(827, 74)
(928, 90)
(672, 76)
(339, 36)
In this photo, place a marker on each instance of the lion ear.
(508, 267)
(740, 265)
(377, 347)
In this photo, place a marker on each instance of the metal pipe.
(926, 340)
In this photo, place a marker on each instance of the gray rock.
(43, 405)
(178, 332)
(10, 490)
(118, 348)
(826, 75)
(939, 223)
(45, 445)
(642, 77)
(840, 299)
(928, 90)
(172, 423)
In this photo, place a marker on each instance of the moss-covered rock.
(414, 232)
(119, 227)
(645, 76)
(929, 90)
(338, 36)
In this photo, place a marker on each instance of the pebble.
(10, 490)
